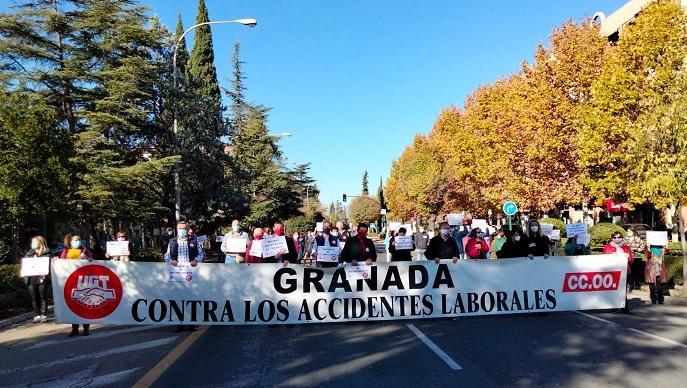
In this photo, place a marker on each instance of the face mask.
(76, 244)
(257, 236)
(34, 245)
(236, 228)
(445, 232)
(279, 231)
(121, 239)
(617, 240)
(335, 234)
(516, 238)
(182, 232)
(534, 228)
(362, 234)
(326, 230)
(656, 251)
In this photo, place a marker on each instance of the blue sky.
(354, 81)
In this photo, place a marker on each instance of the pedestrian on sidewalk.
(655, 273)
(38, 285)
(616, 246)
(77, 251)
(421, 241)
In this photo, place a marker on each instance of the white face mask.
(516, 238)
(534, 228)
(235, 228)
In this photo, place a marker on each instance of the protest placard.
(546, 229)
(319, 226)
(201, 239)
(454, 219)
(236, 245)
(555, 235)
(576, 229)
(355, 272)
(118, 248)
(404, 242)
(657, 238)
(274, 246)
(480, 223)
(219, 239)
(328, 254)
(182, 272)
(584, 239)
(256, 248)
(35, 266)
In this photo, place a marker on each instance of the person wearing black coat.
(359, 248)
(442, 246)
(400, 254)
(537, 243)
(289, 257)
(515, 246)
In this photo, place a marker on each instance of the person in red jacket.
(476, 247)
(617, 246)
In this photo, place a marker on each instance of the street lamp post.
(177, 167)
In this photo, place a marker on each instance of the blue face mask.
(656, 251)
(182, 232)
(76, 244)
(34, 245)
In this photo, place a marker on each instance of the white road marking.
(654, 336)
(667, 340)
(590, 316)
(81, 380)
(91, 356)
(436, 349)
(97, 334)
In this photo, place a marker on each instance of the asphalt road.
(647, 348)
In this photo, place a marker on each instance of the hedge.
(9, 278)
(601, 233)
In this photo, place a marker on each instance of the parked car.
(640, 228)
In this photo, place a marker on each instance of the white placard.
(657, 238)
(328, 254)
(546, 229)
(35, 266)
(236, 245)
(404, 242)
(584, 239)
(355, 272)
(118, 248)
(576, 229)
(256, 248)
(555, 235)
(274, 246)
(139, 293)
(202, 239)
(454, 219)
(181, 273)
(319, 226)
(219, 239)
(480, 223)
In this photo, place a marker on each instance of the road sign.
(510, 208)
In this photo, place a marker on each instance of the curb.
(19, 318)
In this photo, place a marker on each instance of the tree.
(366, 190)
(364, 209)
(380, 195)
(237, 91)
(201, 64)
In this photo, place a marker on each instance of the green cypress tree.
(201, 65)
(237, 92)
(366, 190)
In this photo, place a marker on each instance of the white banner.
(480, 223)
(35, 266)
(140, 293)
(404, 242)
(328, 254)
(117, 248)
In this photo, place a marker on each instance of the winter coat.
(472, 250)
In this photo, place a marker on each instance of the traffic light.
(344, 197)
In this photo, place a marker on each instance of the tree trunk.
(683, 244)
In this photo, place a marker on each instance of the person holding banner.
(442, 246)
(234, 244)
(537, 242)
(359, 248)
(184, 248)
(616, 246)
(121, 238)
(655, 273)
(514, 247)
(38, 284)
(405, 254)
(325, 240)
(77, 251)
(476, 247)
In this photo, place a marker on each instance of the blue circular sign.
(510, 208)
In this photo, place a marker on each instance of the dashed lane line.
(433, 347)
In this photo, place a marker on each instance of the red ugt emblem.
(93, 292)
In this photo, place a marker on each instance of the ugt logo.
(93, 292)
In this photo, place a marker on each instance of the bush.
(601, 233)
(674, 267)
(10, 279)
(148, 254)
(557, 224)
